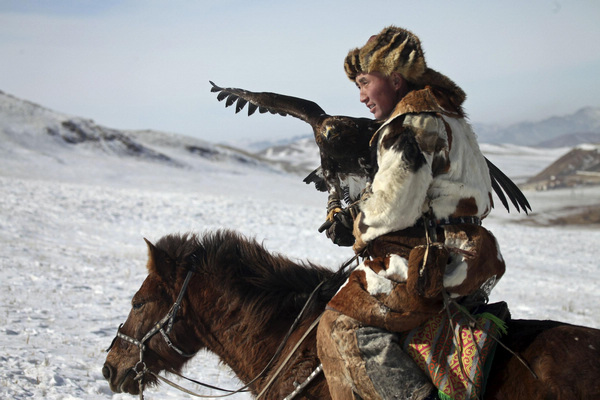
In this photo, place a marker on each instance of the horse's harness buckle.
(141, 372)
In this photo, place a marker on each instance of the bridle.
(141, 370)
(168, 321)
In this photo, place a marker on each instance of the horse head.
(157, 333)
(229, 295)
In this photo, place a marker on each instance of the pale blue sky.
(146, 64)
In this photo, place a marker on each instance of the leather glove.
(339, 231)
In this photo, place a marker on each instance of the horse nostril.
(106, 372)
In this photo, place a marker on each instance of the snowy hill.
(77, 199)
(30, 132)
(300, 156)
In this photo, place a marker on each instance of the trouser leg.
(366, 362)
(393, 373)
(343, 366)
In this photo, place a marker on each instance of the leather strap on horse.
(176, 386)
(284, 362)
(308, 380)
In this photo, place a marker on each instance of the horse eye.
(137, 306)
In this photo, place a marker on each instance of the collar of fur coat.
(429, 99)
(426, 100)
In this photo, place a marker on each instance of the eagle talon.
(332, 213)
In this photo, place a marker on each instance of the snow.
(73, 219)
(589, 147)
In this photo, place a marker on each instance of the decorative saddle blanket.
(456, 351)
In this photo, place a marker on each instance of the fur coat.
(428, 162)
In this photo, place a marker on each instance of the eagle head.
(338, 127)
(328, 130)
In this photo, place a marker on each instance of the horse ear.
(158, 261)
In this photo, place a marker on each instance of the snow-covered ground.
(72, 220)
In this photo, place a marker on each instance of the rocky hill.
(580, 166)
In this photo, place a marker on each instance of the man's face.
(379, 93)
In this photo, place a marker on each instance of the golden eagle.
(344, 148)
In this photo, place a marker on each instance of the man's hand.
(339, 231)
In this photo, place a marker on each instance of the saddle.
(456, 349)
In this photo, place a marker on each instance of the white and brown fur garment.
(428, 160)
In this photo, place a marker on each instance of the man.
(417, 225)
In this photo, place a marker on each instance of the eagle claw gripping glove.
(339, 231)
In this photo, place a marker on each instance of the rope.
(319, 368)
(308, 380)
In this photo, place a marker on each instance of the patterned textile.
(458, 371)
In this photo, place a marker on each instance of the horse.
(228, 294)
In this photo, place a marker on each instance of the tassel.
(495, 320)
(444, 396)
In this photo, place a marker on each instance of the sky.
(136, 64)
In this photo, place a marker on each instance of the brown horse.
(239, 302)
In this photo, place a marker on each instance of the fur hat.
(398, 50)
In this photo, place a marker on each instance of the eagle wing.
(306, 110)
(317, 178)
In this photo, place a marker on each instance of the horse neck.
(243, 339)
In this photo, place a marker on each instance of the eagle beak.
(327, 130)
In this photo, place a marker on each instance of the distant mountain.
(570, 140)
(28, 130)
(32, 133)
(581, 127)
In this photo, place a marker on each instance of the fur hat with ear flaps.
(398, 50)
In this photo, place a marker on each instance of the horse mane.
(269, 285)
